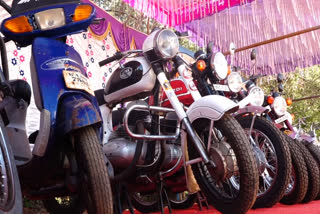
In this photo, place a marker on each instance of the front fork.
(165, 84)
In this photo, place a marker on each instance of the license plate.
(281, 119)
(218, 87)
(76, 80)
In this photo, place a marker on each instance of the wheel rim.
(267, 177)
(229, 186)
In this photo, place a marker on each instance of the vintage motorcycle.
(64, 157)
(279, 115)
(204, 136)
(271, 151)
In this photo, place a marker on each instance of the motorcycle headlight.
(50, 19)
(166, 44)
(279, 106)
(234, 82)
(257, 96)
(219, 64)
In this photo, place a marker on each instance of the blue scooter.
(64, 157)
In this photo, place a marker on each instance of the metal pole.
(275, 39)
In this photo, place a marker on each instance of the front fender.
(76, 112)
(212, 107)
(250, 109)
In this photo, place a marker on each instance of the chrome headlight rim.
(260, 99)
(279, 106)
(236, 76)
(157, 47)
(219, 65)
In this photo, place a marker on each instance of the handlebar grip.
(116, 56)
(107, 61)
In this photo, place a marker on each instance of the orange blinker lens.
(270, 100)
(201, 65)
(18, 25)
(289, 101)
(229, 70)
(293, 116)
(82, 12)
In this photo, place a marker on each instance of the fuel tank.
(133, 80)
(180, 90)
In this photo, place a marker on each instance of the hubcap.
(224, 158)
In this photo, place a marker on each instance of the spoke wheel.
(274, 160)
(233, 185)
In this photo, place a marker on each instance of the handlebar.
(117, 56)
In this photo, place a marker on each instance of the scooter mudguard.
(212, 107)
(75, 112)
(70, 107)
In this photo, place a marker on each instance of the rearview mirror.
(253, 54)
(280, 78)
(280, 88)
(232, 48)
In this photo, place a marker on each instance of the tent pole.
(275, 39)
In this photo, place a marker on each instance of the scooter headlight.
(50, 19)
(234, 82)
(257, 96)
(219, 65)
(166, 44)
(280, 106)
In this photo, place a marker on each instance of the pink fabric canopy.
(177, 12)
(246, 22)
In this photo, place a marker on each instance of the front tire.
(276, 176)
(96, 189)
(313, 174)
(298, 184)
(237, 192)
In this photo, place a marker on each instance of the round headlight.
(166, 44)
(257, 96)
(279, 106)
(234, 82)
(220, 65)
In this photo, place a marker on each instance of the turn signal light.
(229, 70)
(82, 12)
(18, 25)
(293, 116)
(201, 65)
(289, 101)
(270, 100)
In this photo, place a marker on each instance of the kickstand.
(163, 194)
(202, 199)
(122, 190)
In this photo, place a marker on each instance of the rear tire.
(95, 183)
(299, 176)
(313, 174)
(223, 194)
(267, 133)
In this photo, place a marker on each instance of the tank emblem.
(125, 73)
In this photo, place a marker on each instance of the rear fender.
(76, 112)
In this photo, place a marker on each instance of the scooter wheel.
(95, 184)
